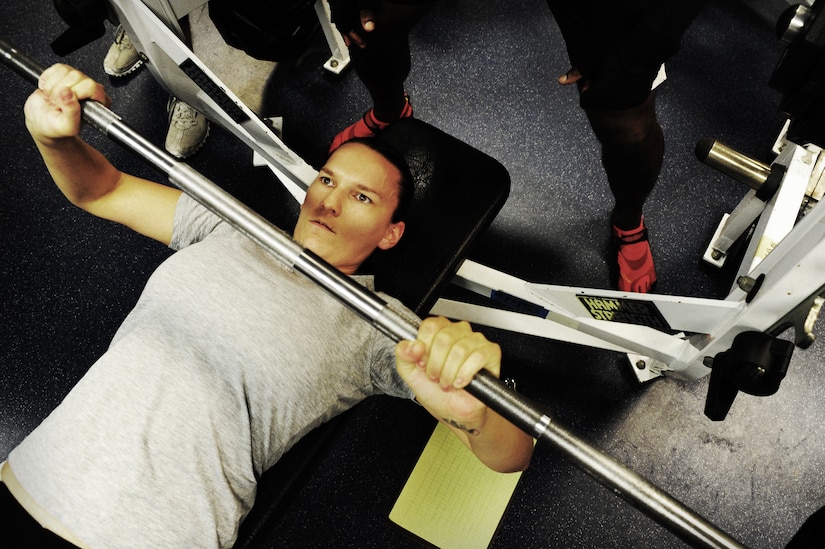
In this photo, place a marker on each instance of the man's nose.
(332, 201)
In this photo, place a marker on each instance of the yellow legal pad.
(451, 499)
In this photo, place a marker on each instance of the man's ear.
(393, 235)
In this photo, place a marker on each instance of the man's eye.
(363, 198)
(326, 181)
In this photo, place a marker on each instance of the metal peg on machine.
(733, 163)
(763, 179)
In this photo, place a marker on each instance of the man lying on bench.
(228, 358)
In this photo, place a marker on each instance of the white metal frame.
(779, 286)
(780, 282)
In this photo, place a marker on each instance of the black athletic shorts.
(19, 530)
(592, 29)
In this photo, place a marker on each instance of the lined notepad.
(451, 499)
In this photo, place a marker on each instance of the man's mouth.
(324, 225)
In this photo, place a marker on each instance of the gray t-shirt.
(226, 361)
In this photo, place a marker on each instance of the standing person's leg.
(383, 64)
(623, 117)
(632, 152)
(188, 127)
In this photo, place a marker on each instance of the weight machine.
(780, 283)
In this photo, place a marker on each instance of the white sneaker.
(188, 129)
(122, 57)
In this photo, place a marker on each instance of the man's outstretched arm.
(437, 366)
(83, 174)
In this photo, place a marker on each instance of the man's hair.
(406, 185)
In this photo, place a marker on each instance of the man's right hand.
(53, 111)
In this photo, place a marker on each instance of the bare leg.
(632, 150)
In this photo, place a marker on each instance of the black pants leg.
(19, 530)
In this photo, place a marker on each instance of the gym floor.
(485, 73)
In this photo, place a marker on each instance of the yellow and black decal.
(628, 311)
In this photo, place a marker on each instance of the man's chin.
(317, 247)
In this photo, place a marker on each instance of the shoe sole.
(130, 70)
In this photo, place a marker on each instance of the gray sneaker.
(188, 129)
(122, 57)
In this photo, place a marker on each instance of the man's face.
(347, 212)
